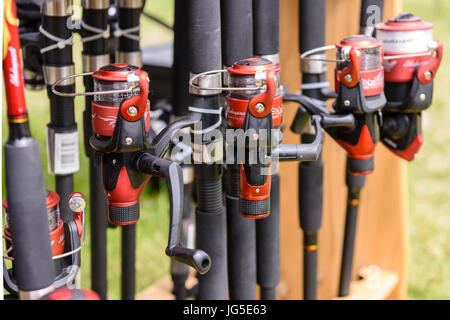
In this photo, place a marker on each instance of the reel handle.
(171, 171)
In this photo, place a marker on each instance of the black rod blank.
(204, 55)
(95, 54)
(312, 35)
(237, 44)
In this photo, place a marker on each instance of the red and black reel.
(65, 240)
(121, 124)
(257, 111)
(411, 60)
(359, 84)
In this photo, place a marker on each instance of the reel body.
(412, 58)
(254, 111)
(121, 124)
(359, 84)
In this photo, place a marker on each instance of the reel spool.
(56, 225)
(411, 61)
(64, 236)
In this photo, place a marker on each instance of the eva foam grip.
(28, 220)
(237, 30)
(266, 26)
(204, 35)
(311, 195)
(211, 238)
(241, 244)
(312, 24)
(268, 242)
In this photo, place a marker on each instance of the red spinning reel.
(411, 60)
(259, 107)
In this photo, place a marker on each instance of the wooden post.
(382, 232)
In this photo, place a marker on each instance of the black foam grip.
(311, 195)
(181, 67)
(312, 24)
(204, 35)
(97, 212)
(266, 27)
(367, 17)
(122, 215)
(211, 238)
(268, 241)
(28, 220)
(241, 253)
(237, 34)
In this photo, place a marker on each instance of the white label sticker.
(66, 153)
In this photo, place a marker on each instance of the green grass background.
(428, 177)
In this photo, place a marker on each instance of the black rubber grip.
(268, 243)
(98, 211)
(361, 166)
(28, 219)
(312, 24)
(181, 66)
(123, 215)
(210, 191)
(211, 238)
(311, 195)
(369, 13)
(237, 34)
(254, 208)
(266, 27)
(204, 34)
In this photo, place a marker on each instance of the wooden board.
(382, 237)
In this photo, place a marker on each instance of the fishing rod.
(237, 44)
(62, 134)
(360, 160)
(410, 67)
(28, 222)
(204, 55)
(129, 52)
(314, 85)
(266, 45)
(180, 102)
(31, 234)
(95, 33)
(121, 127)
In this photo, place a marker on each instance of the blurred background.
(428, 175)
